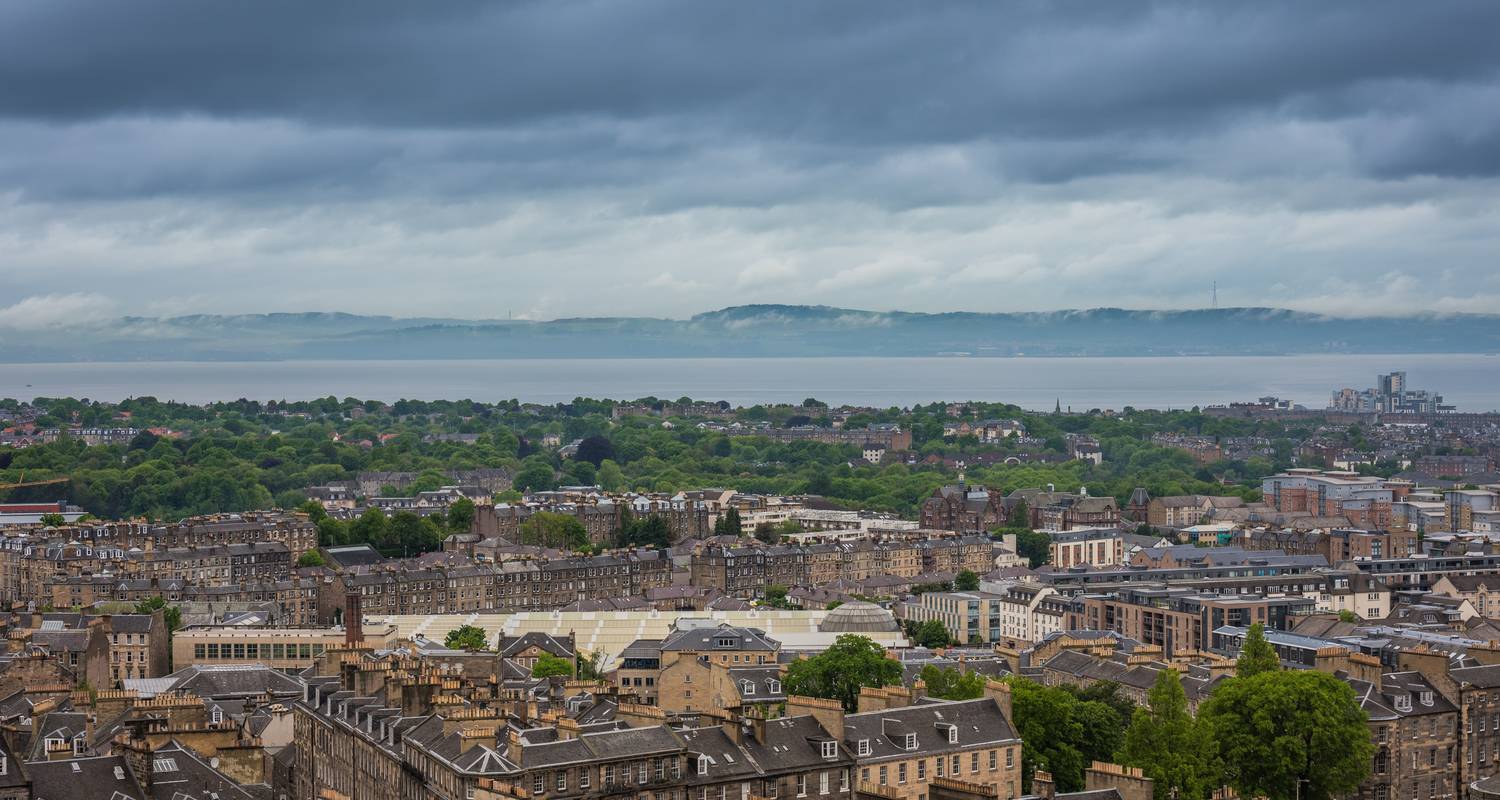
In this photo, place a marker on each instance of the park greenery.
(246, 455)
(1264, 732)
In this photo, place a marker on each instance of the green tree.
(776, 597)
(467, 637)
(1346, 615)
(591, 667)
(53, 520)
(609, 475)
(314, 510)
(1062, 732)
(1169, 746)
(839, 672)
(172, 615)
(311, 558)
(1289, 734)
(729, 524)
(1049, 734)
(649, 531)
(966, 581)
(931, 634)
(1034, 546)
(548, 665)
(461, 515)
(551, 529)
(1256, 654)
(368, 528)
(536, 475)
(1019, 517)
(949, 683)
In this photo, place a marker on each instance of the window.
(562, 781)
(609, 774)
(922, 770)
(801, 785)
(830, 749)
(883, 775)
(843, 780)
(702, 765)
(661, 769)
(901, 772)
(538, 784)
(953, 772)
(583, 777)
(823, 783)
(911, 741)
(940, 764)
(974, 761)
(775, 685)
(862, 747)
(641, 773)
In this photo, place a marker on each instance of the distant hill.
(756, 330)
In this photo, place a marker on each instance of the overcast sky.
(663, 158)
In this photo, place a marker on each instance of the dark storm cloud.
(598, 157)
(853, 72)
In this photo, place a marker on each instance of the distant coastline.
(753, 332)
(1469, 381)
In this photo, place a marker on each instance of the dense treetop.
(246, 455)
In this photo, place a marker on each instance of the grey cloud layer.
(877, 152)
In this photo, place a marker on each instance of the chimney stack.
(354, 634)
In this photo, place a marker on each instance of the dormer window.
(1403, 702)
(724, 642)
(702, 765)
(747, 688)
(775, 686)
(830, 749)
(1427, 698)
(911, 741)
(862, 747)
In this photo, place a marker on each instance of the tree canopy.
(839, 672)
(1280, 730)
(950, 683)
(551, 529)
(1256, 654)
(1173, 750)
(548, 665)
(1062, 732)
(467, 637)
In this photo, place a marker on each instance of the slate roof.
(979, 722)
(101, 778)
(220, 681)
(180, 774)
(563, 648)
(696, 639)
